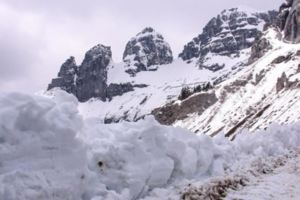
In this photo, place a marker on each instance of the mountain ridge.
(156, 90)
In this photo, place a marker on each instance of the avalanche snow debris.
(47, 151)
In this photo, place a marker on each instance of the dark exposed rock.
(284, 82)
(281, 59)
(144, 100)
(89, 80)
(258, 50)
(118, 89)
(259, 76)
(172, 112)
(281, 82)
(140, 85)
(214, 67)
(271, 18)
(226, 35)
(298, 69)
(289, 20)
(92, 74)
(145, 51)
(66, 77)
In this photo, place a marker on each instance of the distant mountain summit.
(226, 36)
(146, 51)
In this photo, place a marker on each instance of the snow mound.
(142, 156)
(40, 158)
(48, 152)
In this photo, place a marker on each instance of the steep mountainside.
(264, 92)
(149, 77)
(224, 38)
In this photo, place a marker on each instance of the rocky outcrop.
(259, 48)
(118, 89)
(226, 35)
(66, 77)
(289, 20)
(92, 74)
(146, 51)
(89, 80)
(172, 112)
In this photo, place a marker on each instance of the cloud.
(37, 36)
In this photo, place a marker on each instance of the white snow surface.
(48, 151)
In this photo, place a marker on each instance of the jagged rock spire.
(66, 76)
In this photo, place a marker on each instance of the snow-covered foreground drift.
(47, 151)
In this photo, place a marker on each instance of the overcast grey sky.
(36, 36)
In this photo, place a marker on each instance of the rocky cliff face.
(289, 20)
(92, 73)
(146, 51)
(87, 80)
(226, 35)
(66, 77)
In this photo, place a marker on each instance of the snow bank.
(133, 158)
(40, 158)
(48, 152)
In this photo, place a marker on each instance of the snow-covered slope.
(264, 92)
(163, 85)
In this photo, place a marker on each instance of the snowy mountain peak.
(146, 51)
(226, 39)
